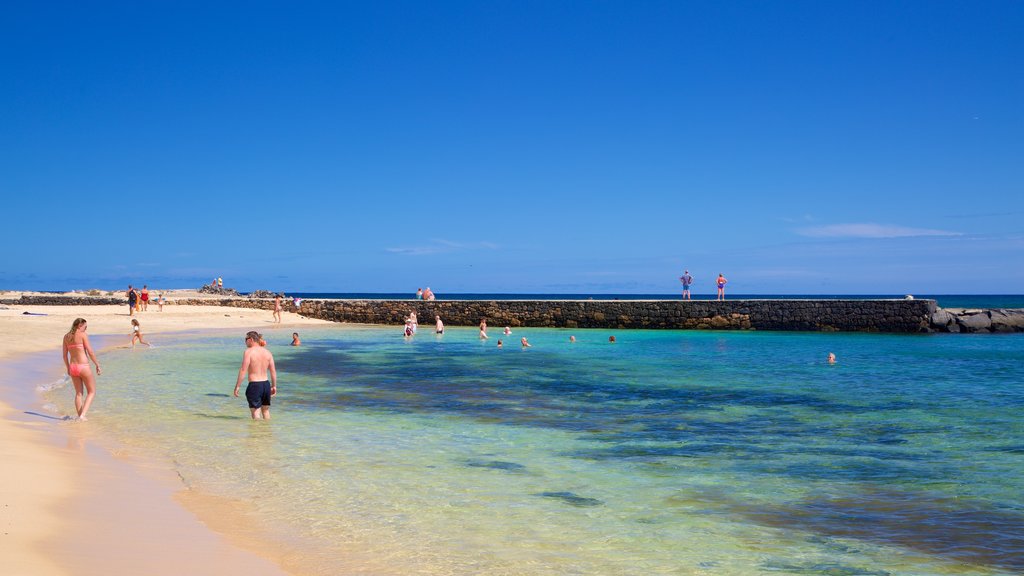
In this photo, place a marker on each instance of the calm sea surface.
(667, 452)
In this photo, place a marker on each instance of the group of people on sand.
(138, 300)
(427, 294)
(686, 280)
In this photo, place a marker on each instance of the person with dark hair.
(133, 298)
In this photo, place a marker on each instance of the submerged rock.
(571, 499)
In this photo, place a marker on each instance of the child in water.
(137, 333)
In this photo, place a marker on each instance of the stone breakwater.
(905, 316)
(806, 315)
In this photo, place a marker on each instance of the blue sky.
(583, 147)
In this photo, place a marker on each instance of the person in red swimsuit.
(144, 297)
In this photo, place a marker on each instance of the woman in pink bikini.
(76, 352)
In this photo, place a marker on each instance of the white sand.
(69, 507)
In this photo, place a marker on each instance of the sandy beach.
(69, 506)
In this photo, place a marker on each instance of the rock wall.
(808, 315)
(66, 301)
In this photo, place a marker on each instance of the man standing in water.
(257, 361)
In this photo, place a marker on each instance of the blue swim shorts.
(258, 394)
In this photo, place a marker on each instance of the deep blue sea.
(944, 300)
(666, 452)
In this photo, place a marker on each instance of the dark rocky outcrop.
(208, 289)
(977, 320)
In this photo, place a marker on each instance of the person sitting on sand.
(524, 342)
(137, 333)
(76, 352)
(295, 339)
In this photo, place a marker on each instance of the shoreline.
(73, 504)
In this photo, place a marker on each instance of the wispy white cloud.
(441, 246)
(870, 230)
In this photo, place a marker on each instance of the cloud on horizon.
(870, 230)
(440, 246)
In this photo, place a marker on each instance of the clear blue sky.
(585, 147)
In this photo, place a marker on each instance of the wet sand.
(69, 505)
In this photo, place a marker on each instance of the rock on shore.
(978, 320)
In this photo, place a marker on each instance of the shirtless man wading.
(256, 362)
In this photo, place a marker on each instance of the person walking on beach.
(257, 362)
(144, 298)
(277, 309)
(160, 301)
(686, 279)
(77, 352)
(133, 298)
(721, 286)
(137, 334)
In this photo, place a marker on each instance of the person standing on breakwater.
(721, 286)
(277, 309)
(419, 293)
(76, 351)
(257, 362)
(686, 279)
(133, 297)
(428, 294)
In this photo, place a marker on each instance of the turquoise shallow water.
(667, 452)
